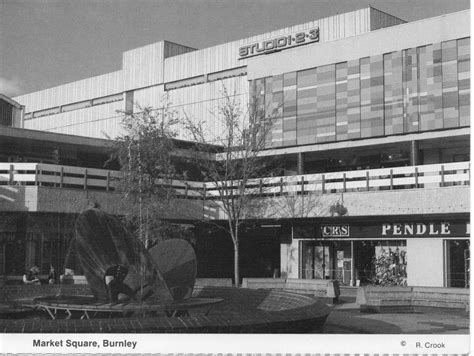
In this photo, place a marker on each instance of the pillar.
(300, 163)
(414, 153)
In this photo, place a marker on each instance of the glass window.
(371, 103)
(410, 90)
(393, 98)
(353, 99)
(306, 106)
(450, 84)
(431, 102)
(464, 75)
(342, 128)
(289, 109)
(326, 103)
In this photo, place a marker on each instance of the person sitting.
(31, 276)
(52, 275)
(113, 279)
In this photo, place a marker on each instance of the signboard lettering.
(416, 229)
(279, 43)
(335, 230)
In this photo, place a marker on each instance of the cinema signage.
(279, 43)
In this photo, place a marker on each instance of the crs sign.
(279, 43)
(335, 230)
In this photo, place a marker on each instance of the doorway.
(326, 260)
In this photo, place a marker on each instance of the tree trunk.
(236, 264)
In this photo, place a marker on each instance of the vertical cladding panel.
(200, 103)
(94, 87)
(226, 56)
(152, 96)
(464, 75)
(97, 121)
(143, 66)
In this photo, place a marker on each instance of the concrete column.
(300, 163)
(414, 149)
(425, 262)
(353, 282)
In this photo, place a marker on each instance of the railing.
(411, 177)
(50, 175)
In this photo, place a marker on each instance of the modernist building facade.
(373, 127)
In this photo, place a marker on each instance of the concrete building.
(373, 130)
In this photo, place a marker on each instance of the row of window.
(75, 106)
(212, 77)
(235, 72)
(417, 89)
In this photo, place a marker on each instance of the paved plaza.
(346, 318)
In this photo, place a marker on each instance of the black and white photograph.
(235, 176)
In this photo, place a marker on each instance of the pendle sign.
(417, 229)
(279, 43)
(384, 230)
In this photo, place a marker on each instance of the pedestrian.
(31, 276)
(113, 279)
(52, 275)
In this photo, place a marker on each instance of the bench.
(213, 282)
(408, 299)
(322, 288)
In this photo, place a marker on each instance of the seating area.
(409, 299)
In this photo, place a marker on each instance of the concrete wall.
(373, 203)
(56, 200)
(425, 262)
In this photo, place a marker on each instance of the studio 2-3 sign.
(279, 43)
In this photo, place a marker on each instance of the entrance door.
(457, 263)
(326, 260)
(315, 261)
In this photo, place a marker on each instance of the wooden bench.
(213, 282)
(407, 299)
(323, 288)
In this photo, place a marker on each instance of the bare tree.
(235, 177)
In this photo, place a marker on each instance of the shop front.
(420, 252)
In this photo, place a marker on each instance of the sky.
(44, 43)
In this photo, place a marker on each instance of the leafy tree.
(145, 151)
